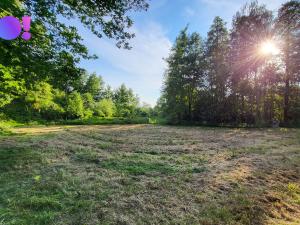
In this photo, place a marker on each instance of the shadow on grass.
(18, 158)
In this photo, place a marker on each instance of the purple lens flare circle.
(26, 36)
(10, 28)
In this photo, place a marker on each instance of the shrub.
(74, 107)
(105, 108)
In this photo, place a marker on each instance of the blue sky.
(142, 68)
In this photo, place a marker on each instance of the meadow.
(149, 174)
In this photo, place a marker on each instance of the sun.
(269, 48)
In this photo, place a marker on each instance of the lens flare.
(269, 48)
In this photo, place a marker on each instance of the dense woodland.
(226, 79)
(220, 80)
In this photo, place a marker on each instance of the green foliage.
(107, 93)
(74, 106)
(5, 126)
(217, 48)
(105, 108)
(89, 105)
(41, 98)
(185, 74)
(10, 87)
(287, 27)
(88, 101)
(220, 81)
(94, 85)
(40, 79)
(145, 110)
(107, 18)
(227, 81)
(126, 102)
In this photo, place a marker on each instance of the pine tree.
(288, 28)
(184, 76)
(217, 47)
(194, 72)
(173, 86)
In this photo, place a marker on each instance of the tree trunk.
(286, 100)
(287, 81)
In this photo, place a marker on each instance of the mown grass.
(6, 124)
(145, 174)
(102, 121)
(5, 127)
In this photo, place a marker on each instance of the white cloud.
(140, 68)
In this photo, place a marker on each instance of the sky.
(142, 68)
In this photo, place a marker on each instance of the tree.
(184, 76)
(288, 28)
(39, 59)
(88, 104)
(74, 106)
(107, 93)
(41, 99)
(145, 110)
(55, 51)
(217, 48)
(194, 71)
(126, 102)
(107, 18)
(88, 101)
(160, 108)
(94, 85)
(173, 90)
(105, 108)
(236, 83)
(251, 26)
(10, 87)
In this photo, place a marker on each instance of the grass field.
(148, 174)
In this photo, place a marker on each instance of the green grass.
(137, 168)
(5, 131)
(6, 125)
(143, 173)
(103, 121)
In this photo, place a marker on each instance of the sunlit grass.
(133, 174)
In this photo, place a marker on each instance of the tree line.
(90, 99)
(227, 79)
(41, 79)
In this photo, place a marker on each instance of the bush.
(88, 113)
(10, 86)
(42, 101)
(105, 108)
(74, 107)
